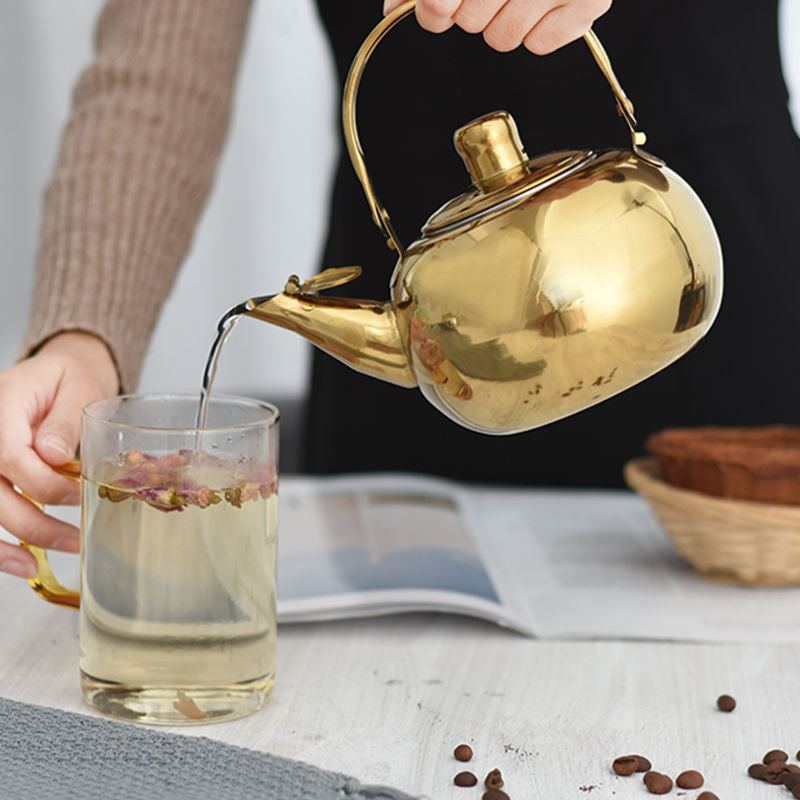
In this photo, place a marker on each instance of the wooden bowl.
(734, 540)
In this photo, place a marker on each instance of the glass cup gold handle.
(379, 214)
(45, 584)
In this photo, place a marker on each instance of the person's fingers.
(435, 16)
(40, 411)
(473, 16)
(30, 474)
(59, 432)
(542, 26)
(22, 401)
(15, 560)
(563, 25)
(507, 28)
(40, 403)
(33, 526)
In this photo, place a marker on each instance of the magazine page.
(367, 545)
(597, 564)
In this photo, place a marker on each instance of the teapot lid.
(500, 169)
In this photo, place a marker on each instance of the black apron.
(705, 77)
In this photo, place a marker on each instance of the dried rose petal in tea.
(186, 478)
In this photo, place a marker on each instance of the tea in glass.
(177, 606)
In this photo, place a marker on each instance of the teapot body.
(560, 298)
(551, 285)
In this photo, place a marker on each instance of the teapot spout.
(363, 334)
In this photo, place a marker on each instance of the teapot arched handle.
(356, 152)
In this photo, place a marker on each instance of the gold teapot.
(553, 284)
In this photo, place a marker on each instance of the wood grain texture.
(387, 700)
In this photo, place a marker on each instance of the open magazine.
(367, 545)
(546, 563)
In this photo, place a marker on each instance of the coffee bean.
(658, 783)
(726, 703)
(707, 796)
(463, 752)
(690, 779)
(757, 771)
(790, 779)
(796, 791)
(644, 764)
(494, 780)
(797, 755)
(774, 771)
(465, 779)
(775, 755)
(626, 765)
(495, 794)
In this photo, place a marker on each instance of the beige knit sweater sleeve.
(135, 165)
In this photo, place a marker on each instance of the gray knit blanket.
(60, 755)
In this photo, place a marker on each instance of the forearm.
(135, 167)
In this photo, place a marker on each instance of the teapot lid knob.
(492, 151)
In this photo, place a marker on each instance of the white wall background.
(266, 215)
(264, 220)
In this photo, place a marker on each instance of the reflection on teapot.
(555, 283)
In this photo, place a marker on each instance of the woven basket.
(732, 540)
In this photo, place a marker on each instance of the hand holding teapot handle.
(541, 26)
(397, 11)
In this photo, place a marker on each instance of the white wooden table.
(386, 700)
